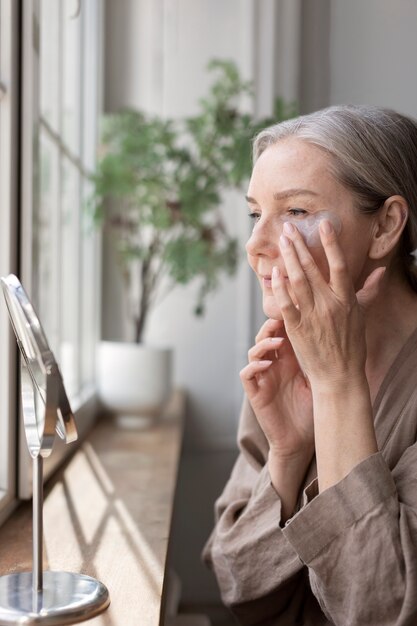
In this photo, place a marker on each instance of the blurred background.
(81, 59)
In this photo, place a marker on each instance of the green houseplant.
(158, 188)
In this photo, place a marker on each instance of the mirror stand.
(43, 597)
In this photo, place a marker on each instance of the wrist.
(287, 474)
(344, 429)
(340, 386)
(342, 407)
(290, 461)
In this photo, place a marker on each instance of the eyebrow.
(289, 193)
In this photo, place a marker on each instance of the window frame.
(86, 405)
(9, 159)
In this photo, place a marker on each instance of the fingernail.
(284, 241)
(275, 273)
(326, 227)
(288, 228)
(264, 363)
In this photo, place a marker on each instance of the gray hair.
(373, 153)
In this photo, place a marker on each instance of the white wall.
(373, 52)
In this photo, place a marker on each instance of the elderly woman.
(318, 522)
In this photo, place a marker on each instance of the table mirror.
(42, 597)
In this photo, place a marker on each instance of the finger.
(269, 329)
(261, 349)
(371, 287)
(306, 261)
(290, 313)
(340, 280)
(248, 376)
(296, 275)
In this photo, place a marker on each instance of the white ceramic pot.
(134, 380)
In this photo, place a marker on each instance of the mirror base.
(66, 598)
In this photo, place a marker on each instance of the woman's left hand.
(326, 326)
(325, 321)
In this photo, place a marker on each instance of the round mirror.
(45, 404)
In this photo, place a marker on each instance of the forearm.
(344, 429)
(287, 477)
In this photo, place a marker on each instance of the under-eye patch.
(308, 226)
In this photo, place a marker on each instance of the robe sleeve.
(260, 574)
(359, 541)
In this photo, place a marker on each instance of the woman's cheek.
(320, 259)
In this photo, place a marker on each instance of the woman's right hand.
(279, 394)
(281, 399)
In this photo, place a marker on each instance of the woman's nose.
(264, 240)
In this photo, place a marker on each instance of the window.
(59, 258)
(8, 241)
(63, 258)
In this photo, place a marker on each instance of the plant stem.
(148, 280)
(140, 322)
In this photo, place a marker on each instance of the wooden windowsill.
(107, 514)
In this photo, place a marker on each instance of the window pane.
(89, 312)
(71, 77)
(46, 218)
(59, 133)
(70, 274)
(50, 62)
(91, 66)
(64, 251)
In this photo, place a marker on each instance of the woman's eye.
(255, 216)
(296, 212)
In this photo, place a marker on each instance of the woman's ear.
(389, 225)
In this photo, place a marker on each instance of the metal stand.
(37, 521)
(65, 599)
(40, 597)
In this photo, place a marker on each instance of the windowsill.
(107, 514)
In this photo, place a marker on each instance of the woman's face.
(292, 180)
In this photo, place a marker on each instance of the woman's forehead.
(296, 173)
(293, 152)
(293, 164)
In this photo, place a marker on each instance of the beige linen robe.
(348, 556)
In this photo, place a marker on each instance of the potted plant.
(157, 191)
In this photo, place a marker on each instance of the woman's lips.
(267, 282)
